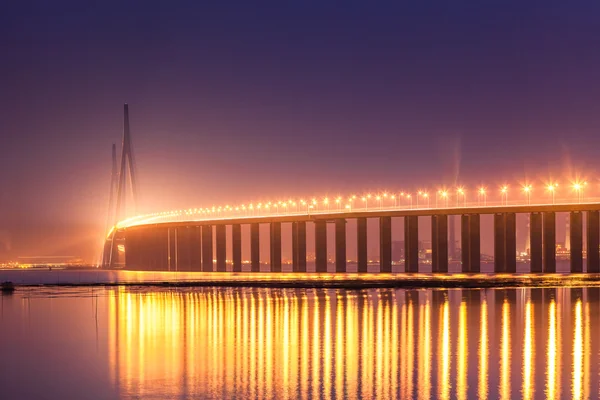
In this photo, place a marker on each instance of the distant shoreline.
(351, 281)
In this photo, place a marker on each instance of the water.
(103, 343)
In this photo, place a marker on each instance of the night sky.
(236, 101)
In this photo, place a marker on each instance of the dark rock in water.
(7, 287)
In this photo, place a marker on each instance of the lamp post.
(483, 195)
(552, 189)
(527, 189)
(504, 192)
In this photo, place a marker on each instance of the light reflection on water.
(286, 343)
(369, 344)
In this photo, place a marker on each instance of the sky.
(238, 100)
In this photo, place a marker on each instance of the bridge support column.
(505, 250)
(593, 242)
(385, 244)
(411, 243)
(499, 243)
(361, 249)
(207, 248)
(255, 247)
(221, 233)
(275, 229)
(195, 249)
(535, 242)
(184, 249)
(340, 245)
(236, 247)
(173, 261)
(439, 243)
(576, 237)
(470, 243)
(549, 242)
(133, 252)
(510, 242)
(321, 246)
(299, 246)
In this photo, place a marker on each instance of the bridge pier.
(299, 246)
(184, 248)
(535, 242)
(207, 248)
(411, 243)
(321, 246)
(549, 242)
(132, 251)
(361, 249)
(385, 244)
(439, 243)
(470, 243)
(236, 247)
(255, 247)
(340, 245)
(505, 245)
(221, 242)
(275, 229)
(172, 251)
(593, 242)
(576, 238)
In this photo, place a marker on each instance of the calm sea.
(151, 343)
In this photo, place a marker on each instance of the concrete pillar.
(236, 247)
(465, 251)
(385, 244)
(474, 243)
(535, 242)
(593, 241)
(510, 238)
(161, 243)
(470, 243)
(184, 249)
(549, 242)
(411, 243)
(132, 249)
(275, 230)
(173, 261)
(499, 243)
(207, 248)
(439, 243)
(321, 245)
(361, 249)
(576, 237)
(299, 246)
(255, 247)
(340, 245)
(221, 238)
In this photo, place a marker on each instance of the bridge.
(184, 240)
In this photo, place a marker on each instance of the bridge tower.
(122, 182)
(111, 215)
(127, 172)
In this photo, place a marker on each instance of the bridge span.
(186, 244)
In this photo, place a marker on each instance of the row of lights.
(442, 196)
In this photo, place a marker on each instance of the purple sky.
(238, 101)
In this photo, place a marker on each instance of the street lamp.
(504, 191)
(481, 193)
(378, 198)
(426, 196)
(552, 189)
(579, 187)
(409, 197)
(461, 192)
(326, 202)
(527, 189)
(338, 201)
